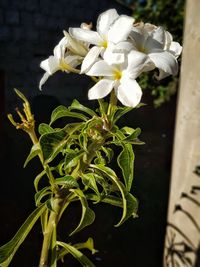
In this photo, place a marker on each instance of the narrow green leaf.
(38, 178)
(125, 161)
(35, 150)
(133, 135)
(87, 216)
(109, 153)
(112, 200)
(128, 210)
(42, 193)
(90, 181)
(8, 250)
(67, 181)
(120, 112)
(76, 105)
(76, 254)
(62, 111)
(89, 244)
(127, 130)
(44, 129)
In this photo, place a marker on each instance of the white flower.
(110, 28)
(121, 77)
(157, 44)
(66, 56)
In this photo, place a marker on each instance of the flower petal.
(75, 46)
(113, 57)
(161, 75)
(101, 89)
(129, 92)
(60, 48)
(43, 80)
(120, 29)
(90, 58)
(104, 21)
(175, 48)
(138, 39)
(87, 36)
(50, 65)
(159, 35)
(100, 68)
(136, 63)
(165, 61)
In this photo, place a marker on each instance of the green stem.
(112, 104)
(52, 223)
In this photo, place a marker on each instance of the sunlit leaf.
(120, 112)
(38, 178)
(90, 181)
(42, 193)
(76, 254)
(35, 150)
(125, 161)
(67, 181)
(62, 111)
(45, 128)
(87, 216)
(8, 250)
(129, 207)
(89, 244)
(76, 105)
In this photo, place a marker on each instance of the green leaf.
(38, 178)
(127, 130)
(62, 111)
(8, 250)
(67, 181)
(35, 150)
(76, 254)
(87, 216)
(125, 161)
(90, 181)
(52, 144)
(120, 112)
(128, 208)
(109, 153)
(89, 244)
(72, 158)
(76, 105)
(44, 129)
(42, 193)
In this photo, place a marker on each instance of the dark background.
(29, 31)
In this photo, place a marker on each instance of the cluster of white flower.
(117, 53)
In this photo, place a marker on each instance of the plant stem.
(112, 104)
(52, 223)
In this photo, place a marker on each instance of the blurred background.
(29, 30)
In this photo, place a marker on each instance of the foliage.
(76, 160)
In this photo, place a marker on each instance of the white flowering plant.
(76, 158)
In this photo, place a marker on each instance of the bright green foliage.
(77, 160)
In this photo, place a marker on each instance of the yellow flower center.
(104, 44)
(63, 65)
(142, 49)
(117, 74)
